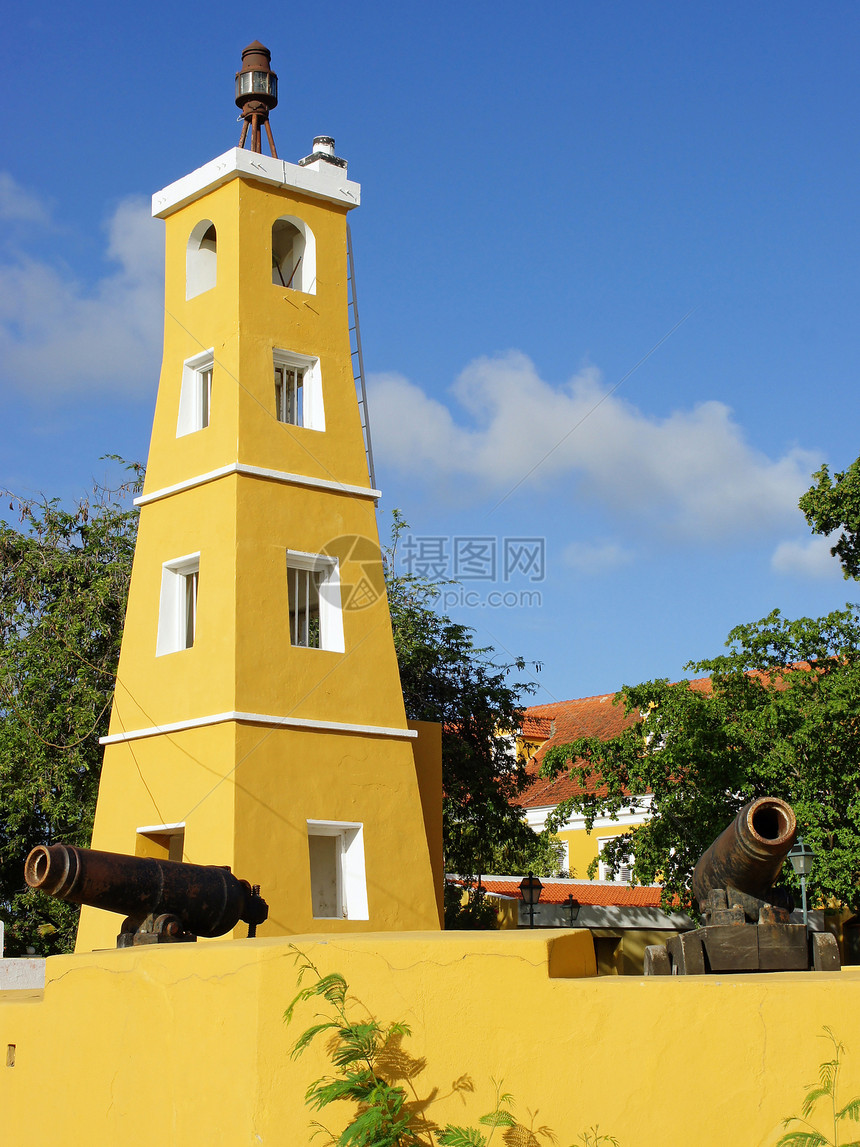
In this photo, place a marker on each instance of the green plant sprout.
(593, 1138)
(367, 1056)
(826, 1088)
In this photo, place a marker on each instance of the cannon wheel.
(825, 952)
(657, 962)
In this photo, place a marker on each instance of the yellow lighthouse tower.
(258, 720)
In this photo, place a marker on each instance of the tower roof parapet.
(319, 180)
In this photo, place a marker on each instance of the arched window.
(200, 259)
(294, 255)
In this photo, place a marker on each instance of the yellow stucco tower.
(258, 720)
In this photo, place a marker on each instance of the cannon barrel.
(208, 900)
(748, 855)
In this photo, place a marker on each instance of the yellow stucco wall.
(186, 1042)
(583, 846)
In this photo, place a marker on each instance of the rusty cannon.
(747, 922)
(163, 901)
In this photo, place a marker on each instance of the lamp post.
(531, 888)
(801, 857)
(573, 907)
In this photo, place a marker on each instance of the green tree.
(782, 718)
(63, 586)
(833, 504)
(447, 678)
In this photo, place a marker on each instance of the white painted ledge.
(259, 719)
(258, 472)
(328, 182)
(22, 973)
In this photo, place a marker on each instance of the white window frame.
(350, 870)
(603, 868)
(330, 609)
(201, 263)
(174, 833)
(195, 395)
(179, 588)
(313, 412)
(305, 278)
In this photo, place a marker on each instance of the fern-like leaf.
(803, 1139)
(307, 1036)
(333, 987)
(813, 1094)
(453, 1136)
(851, 1110)
(827, 1071)
(498, 1119)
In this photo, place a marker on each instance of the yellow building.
(258, 720)
(559, 723)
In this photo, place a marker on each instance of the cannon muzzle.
(161, 898)
(748, 856)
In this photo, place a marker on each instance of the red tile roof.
(595, 892)
(565, 721)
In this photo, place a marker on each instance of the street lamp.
(801, 857)
(573, 907)
(531, 888)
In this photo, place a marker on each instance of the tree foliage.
(782, 718)
(63, 587)
(447, 678)
(834, 504)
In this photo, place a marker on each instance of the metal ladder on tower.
(357, 358)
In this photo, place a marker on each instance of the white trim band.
(324, 182)
(257, 472)
(258, 719)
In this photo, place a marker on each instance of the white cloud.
(596, 557)
(19, 205)
(59, 337)
(692, 472)
(810, 558)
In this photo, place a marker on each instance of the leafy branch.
(827, 1088)
(367, 1058)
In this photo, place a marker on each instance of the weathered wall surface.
(185, 1044)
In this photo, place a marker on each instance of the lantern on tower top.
(256, 94)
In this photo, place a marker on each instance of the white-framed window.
(624, 871)
(298, 389)
(201, 259)
(161, 841)
(177, 613)
(313, 593)
(294, 255)
(338, 880)
(195, 395)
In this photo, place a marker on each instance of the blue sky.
(549, 192)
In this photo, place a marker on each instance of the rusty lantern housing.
(256, 94)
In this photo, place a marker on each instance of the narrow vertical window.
(195, 395)
(289, 394)
(298, 390)
(304, 593)
(177, 614)
(338, 880)
(201, 259)
(191, 580)
(205, 395)
(293, 255)
(315, 618)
